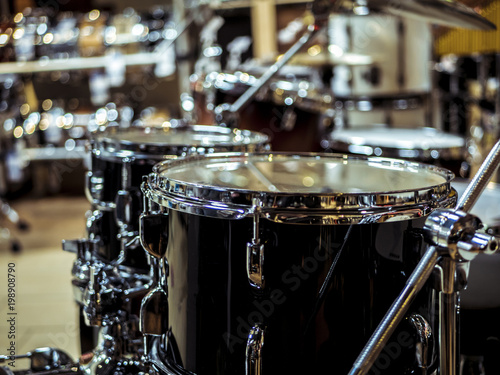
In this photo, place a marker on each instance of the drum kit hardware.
(208, 253)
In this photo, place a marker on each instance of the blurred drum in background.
(426, 145)
(380, 69)
(289, 109)
(111, 257)
(120, 157)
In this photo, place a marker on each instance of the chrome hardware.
(255, 263)
(445, 229)
(154, 312)
(93, 187)
(92, 296)
(456, 231)
(255, 343)
(325, 208)
(124, 208)
(424, 344)
(82, 247)
(45, 360)
(126, 173)
(153, 233)
(117, 351)
(255, 252)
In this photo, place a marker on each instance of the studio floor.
(46, 314)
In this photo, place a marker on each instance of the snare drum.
(286, 263)
(426, 145)
(121, 157)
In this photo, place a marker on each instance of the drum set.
(226, 248)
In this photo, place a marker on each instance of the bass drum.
(283, 263)
(425, 145)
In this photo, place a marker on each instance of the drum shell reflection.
(212, 306)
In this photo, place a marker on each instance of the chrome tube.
(448, 349)
(248, 95)
(480, 180)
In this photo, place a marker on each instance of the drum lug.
(154, 313)
(255, 263)
(94, 186)
(425, 340)
(255, 252)
(153, 233)
(124, 204)
(255, 343)
(83, 247)
(92, 305)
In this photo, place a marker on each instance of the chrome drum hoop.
(111, 145)
(299, 208)
(418, 144)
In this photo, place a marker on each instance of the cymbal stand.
(453, 242)
(227, 114)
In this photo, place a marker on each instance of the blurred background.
(376, 80)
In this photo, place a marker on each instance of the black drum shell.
(110, 169)
(105, 229)
(212, 305)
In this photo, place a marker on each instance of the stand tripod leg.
(448, 322)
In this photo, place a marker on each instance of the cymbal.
(328, 59)
(439, 12)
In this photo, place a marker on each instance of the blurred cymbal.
(325, 58)
(439, 12)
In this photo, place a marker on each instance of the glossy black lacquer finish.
(111, 171)
(212, 306)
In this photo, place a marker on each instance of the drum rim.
(343, 144)
(327, 208)
(105, 146)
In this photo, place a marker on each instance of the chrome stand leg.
(448, 333)
(448, 322)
